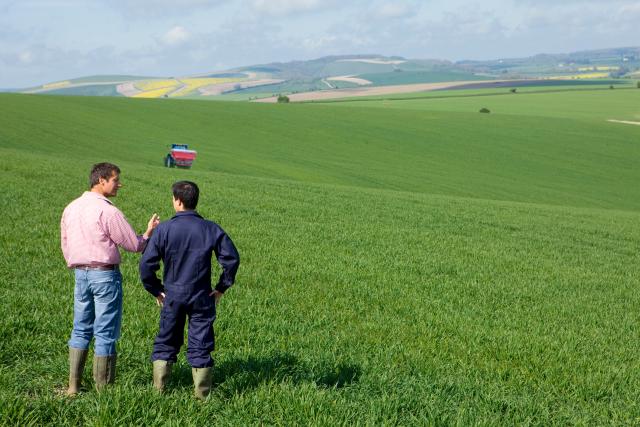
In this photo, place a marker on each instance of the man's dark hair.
(187, 192)
(102, 170)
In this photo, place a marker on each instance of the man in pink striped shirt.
(91, 230)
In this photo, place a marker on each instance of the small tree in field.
(485, 110)
(283, 99)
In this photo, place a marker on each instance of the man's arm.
(149, 265)
(63, 238)
(122, 234)
(229, 260)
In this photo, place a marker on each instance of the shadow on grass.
(241, 375)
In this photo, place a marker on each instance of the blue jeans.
(97, 310)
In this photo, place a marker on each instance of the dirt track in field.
(374, 61)
(350, 79)
(626, 122)
(128, 89)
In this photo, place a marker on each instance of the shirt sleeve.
(63, 238)
(229, 259)
(122, 234)
(150, 264)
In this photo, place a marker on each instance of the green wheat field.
(404, 262)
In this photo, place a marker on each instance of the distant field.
(285, 88)
(410, 77)
(236, 96)
(545, 83)
(109, 78)
(497, 88)
(227, 75)
(401, 265)
(340, 68)
(88, 90)
(599, 104)
(84, 86)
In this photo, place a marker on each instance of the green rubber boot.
(201, 381)
(77, 359)
(161, 374)
(104, 370)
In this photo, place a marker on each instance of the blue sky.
(47, 40)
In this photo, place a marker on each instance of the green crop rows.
(413, 265)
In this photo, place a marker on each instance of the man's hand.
(217, 295)
(153, 223)
(160, 299)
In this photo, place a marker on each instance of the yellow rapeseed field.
(156, 93)
(594, 75)
(193, 84)
(600, 68)
(148, 85)
(176, 87)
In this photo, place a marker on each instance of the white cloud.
(45, 40)
(315, 43)
(633, 8)
(25, 57)
(582, 20)
(287, 7)
(176, 36)
(143, 10)
(172, 6)
(394, 10)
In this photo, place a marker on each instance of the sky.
(50, 40)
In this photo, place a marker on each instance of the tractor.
(180, 156)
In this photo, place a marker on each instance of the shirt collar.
(96, 196)
(187, 213)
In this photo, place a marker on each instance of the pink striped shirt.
(91, 230)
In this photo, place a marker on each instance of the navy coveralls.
(185, 245)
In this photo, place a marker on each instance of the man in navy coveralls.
(185, 245)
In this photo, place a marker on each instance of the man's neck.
(97, 190)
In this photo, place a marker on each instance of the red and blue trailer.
(180, 156)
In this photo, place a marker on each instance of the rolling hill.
(349, 71)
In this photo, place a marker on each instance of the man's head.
(185, 195)
(105, 179)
